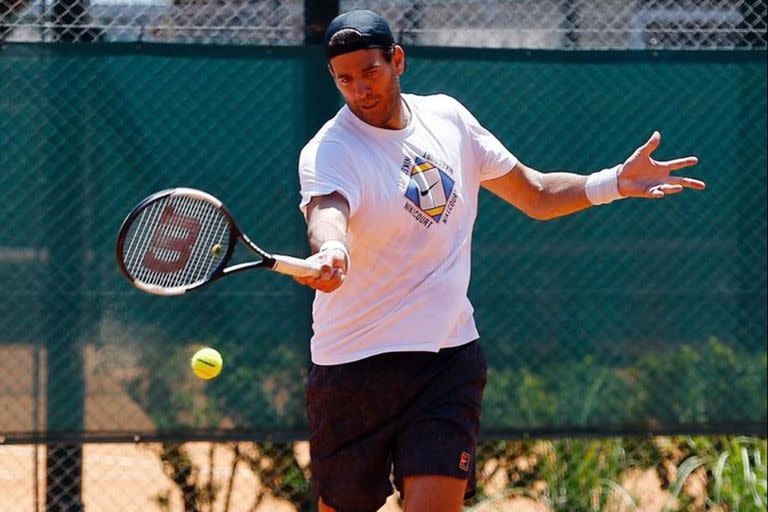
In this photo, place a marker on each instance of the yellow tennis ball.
(216, 249)
(206, 363)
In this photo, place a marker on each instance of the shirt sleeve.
(493, 158)
(325, 167)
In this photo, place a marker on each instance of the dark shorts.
(417, 413)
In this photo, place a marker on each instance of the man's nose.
(361, 88)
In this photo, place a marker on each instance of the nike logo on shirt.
(425, 192)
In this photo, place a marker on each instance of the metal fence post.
(65, 304)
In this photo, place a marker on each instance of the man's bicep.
(520, 187)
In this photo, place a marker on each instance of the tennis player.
(389, 188)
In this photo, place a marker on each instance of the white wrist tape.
(337, 244)
(603, 186)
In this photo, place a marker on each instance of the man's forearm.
(324, 229)
(562, 193)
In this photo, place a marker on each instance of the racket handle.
(295, 266)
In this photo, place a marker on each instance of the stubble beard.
(380, 121)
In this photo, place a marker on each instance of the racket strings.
(214, 229)
(185, 208)
(159, 234)
(138, 237)
(199, 257)
(138, 240)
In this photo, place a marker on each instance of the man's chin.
(369, 117)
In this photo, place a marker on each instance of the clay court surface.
(130, 477)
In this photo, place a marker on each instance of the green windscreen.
(639, 316)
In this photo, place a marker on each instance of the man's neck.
(405, 113)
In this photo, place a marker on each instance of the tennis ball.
(216, 249)
(206, 363)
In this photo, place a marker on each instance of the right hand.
(333, 270)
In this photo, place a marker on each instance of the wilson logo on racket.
(175, 235)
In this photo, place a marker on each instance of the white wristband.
(603, 186)
(337, 244)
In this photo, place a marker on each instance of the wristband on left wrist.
(602, 187)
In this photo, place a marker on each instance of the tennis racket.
(180, 239)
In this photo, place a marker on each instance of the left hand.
(642, 176)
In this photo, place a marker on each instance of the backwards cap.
(374, 32)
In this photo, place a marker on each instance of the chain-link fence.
(565, 325)
(617, 475)
(580, 24)
(551, 24)
(630, 319)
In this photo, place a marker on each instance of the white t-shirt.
(413, 201)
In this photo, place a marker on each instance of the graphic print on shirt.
(430, 189)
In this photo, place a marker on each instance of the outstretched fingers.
(651, 145)
(673, 185)
(665, 189)
(645, 177)
(686, 182)
(679, 163)
(693, 183)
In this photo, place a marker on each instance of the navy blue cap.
(373, 29)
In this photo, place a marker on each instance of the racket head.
(175, 240)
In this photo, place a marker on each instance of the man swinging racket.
(389, 188)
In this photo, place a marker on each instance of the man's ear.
(398, 59)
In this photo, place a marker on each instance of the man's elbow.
(542, 215)
(537, 209)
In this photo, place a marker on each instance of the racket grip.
(295, 266)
